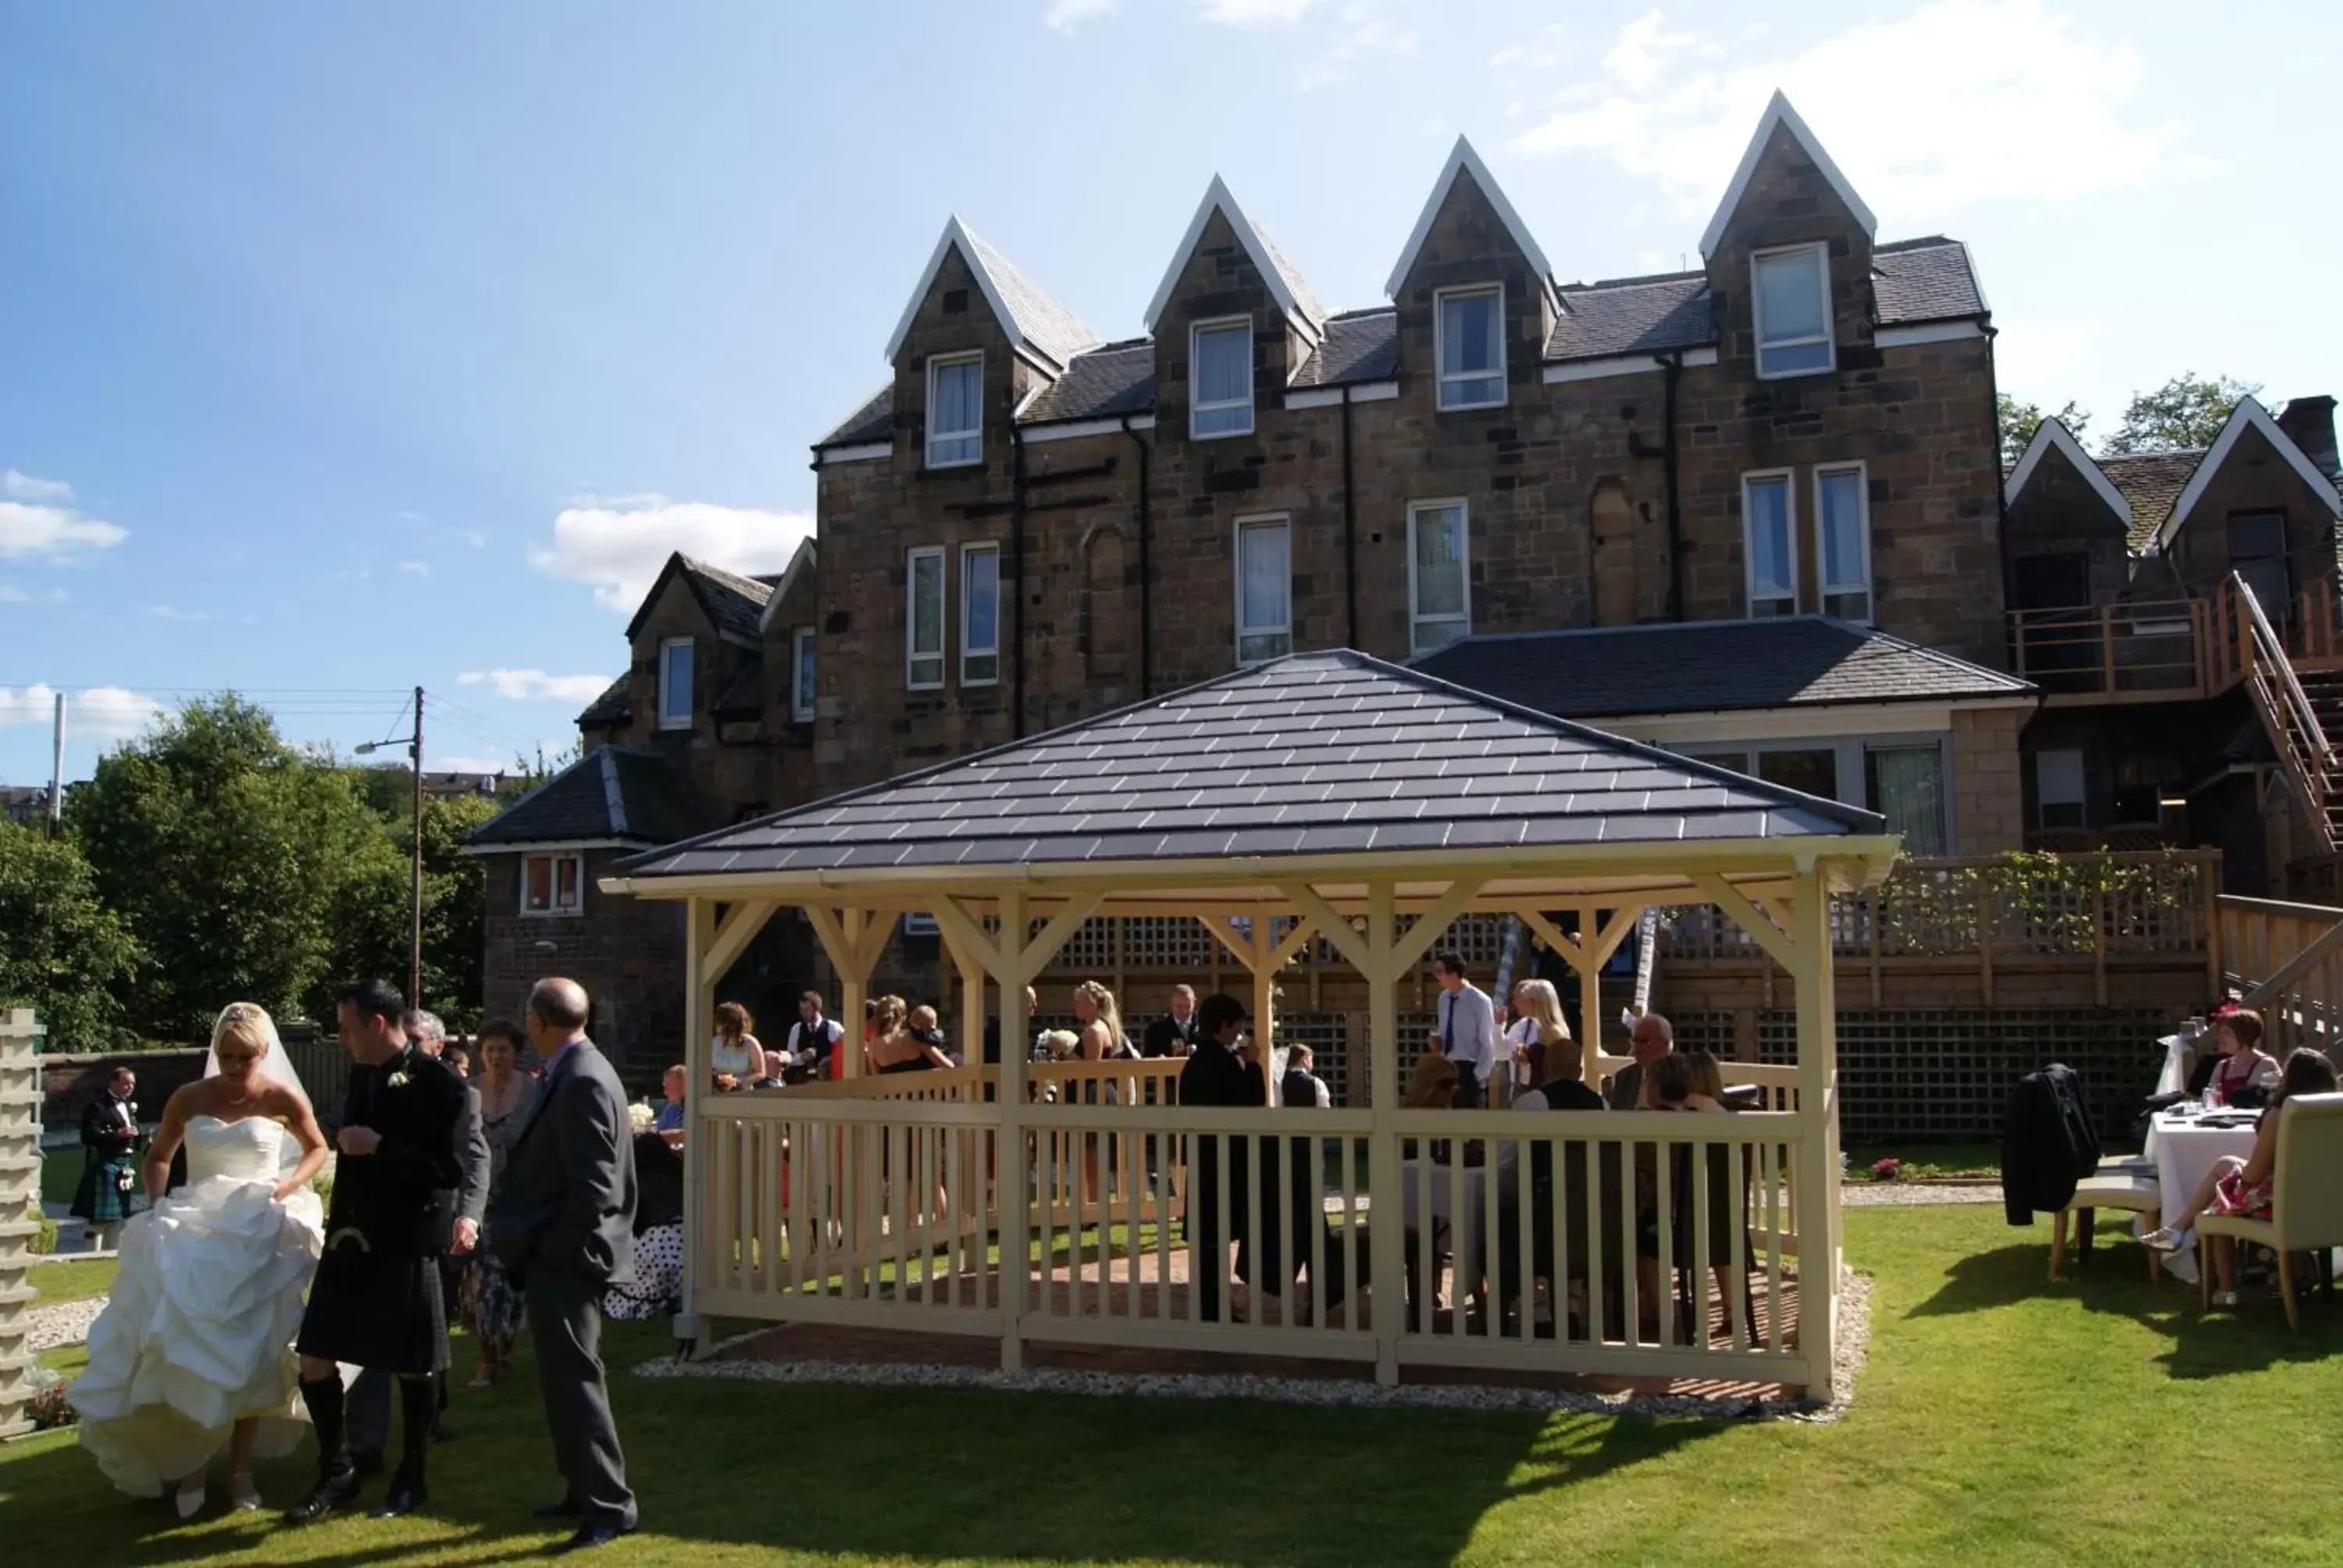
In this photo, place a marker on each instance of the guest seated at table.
(652, 1285)
(735, 1056)
(774, 1073)
(2242, 1073)
(672, 1084)
(2235, 1186)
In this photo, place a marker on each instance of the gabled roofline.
(804, 556)
(675, 563)
(1462, 157)
(2051, 433)
(2248, 414)
(1778, 112)
(1217, 198)
(956, 235)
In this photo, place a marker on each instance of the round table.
(2184, 1150)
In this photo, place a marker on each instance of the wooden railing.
(2095, 914)
(2286, 962)
(1517, 1234)
(2167, 648)
(2288, 716)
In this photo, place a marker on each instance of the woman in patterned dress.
(506, 1094)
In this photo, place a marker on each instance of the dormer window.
(675, 683)
(1220, 393)
(1470, 346)
(955, 410)
(1790, 289)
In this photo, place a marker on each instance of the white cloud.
(1543, 51)
(535, 685)
(472, 537)
(1962, 102)
(168, 612)
(101, 713)
(418, 569)
(1364, 31)
(1255, 13)
(618, 544)
(1065, 15)
(29, 529)
(25, 488)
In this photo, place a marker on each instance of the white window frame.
(1416, 618)
(1440, 376)
(1821, 252)
(968, 649)
(554, 909)
(1789, 482)
(913, 655)
(1236, 556)
(1196, 404)
(1826, 588)
(669, 718)
(802, 651)
(974, 433)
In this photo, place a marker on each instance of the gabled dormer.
(976, 341)
(1233, 321)
(694, 632)
(1475, 295)
(2056, 469)
(1789, 256)
(2066, 527)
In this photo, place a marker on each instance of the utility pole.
(57, 772)
(414, 871)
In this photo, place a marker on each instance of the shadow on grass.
(2251, 1338)
(904, 1474)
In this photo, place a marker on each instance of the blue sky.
(349, 348)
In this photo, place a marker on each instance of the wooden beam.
(1553, 937)
(733, 935)
(1615, 931)
(1223, 929)
(1304, 928)
(1364, 957)
(967, 938)
(1749, 918)
(1035, 957)
(1428, 925)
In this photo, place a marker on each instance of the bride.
(194, 1351)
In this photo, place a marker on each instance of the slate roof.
(2151, 482)
(1318, 753)
(1360, 346)
(611, 792)
(1702, 667)
(1931, 279)
(1634, 316)
(1119, 378)
(745, 694)
(1045, 322)
(874, 421)
(611, 707)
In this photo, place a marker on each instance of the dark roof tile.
(611, 707)
(1361, 346)
(1931, 279)
(874, 421)
(1632, 316)
(1709, 665)
(613, 792)
(1119, 378)
(2150, 483)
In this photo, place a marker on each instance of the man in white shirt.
(1468, 1029)
(811, 1039)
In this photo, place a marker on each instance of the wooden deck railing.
(2288, 718)
(2166, 648)
(2286, 962)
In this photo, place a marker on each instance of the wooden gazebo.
(1326, 798)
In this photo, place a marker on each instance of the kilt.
(101, 1199)
(377, 1309)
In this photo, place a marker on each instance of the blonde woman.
(1541, 1010)
(894, 1047)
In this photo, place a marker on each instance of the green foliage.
(370, 923)
(44, 1241)
(2040, 902)
(235, 859)
(66, 955)
(2018, 422)
(2186, 411)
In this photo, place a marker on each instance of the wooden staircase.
(2298, 712)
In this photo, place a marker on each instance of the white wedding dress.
(199, 1329)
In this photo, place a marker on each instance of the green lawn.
(60, 1173)
(66, 1280)
(2001, 1419)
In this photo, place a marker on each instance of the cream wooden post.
(1262, 962)
(20, 1188)
(1016, 1164)
(1586, 953)
(853, 991)
(698, 1013)
(1387, 1262)
(1818, 1174)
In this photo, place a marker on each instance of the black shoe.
(363, 1463)
(594, 1534)
(404, 1498)
(440, 1432)
(332, 1491)
(564, 1509)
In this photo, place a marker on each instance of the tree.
(2186, 411)
(369, 924)
(66, 957)
(2019, 421)
(231, 856)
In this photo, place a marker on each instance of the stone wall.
(68, 1084)
(2253, 478)
(1989, 792)
(628, 954)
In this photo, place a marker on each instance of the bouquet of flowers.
(641, 1118)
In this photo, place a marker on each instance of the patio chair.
(2106, 1188)
(2305, 1197)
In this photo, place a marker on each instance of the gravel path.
(62, 1322)
(1879, 1194)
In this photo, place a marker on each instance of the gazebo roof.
(1311, 757)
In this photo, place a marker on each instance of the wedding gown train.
(199, 1329)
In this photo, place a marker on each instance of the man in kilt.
(376, 1301)
(111, 1141)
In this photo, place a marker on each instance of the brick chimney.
(2310, 421)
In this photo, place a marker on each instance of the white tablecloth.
(2184, 1150)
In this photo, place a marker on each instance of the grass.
(66, 1280)
(2002, 1419)
(60, 1174)
(1929, 1162)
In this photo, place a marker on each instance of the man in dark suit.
(1174, 1034)
(456, 1230)
(1225, 1069)
(375, 1301)
(563, 1224)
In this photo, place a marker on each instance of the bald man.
(563, 1223)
